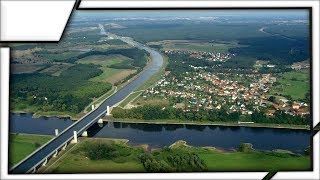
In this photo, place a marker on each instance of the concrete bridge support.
(34, 170)
(56, 132)
(55, 154)
(85, 134)
(65, 146)
(108, 111)
(75, 137)
(100, 121)
(45, 162)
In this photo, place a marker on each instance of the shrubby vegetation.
(153, 112)
(172, 160)
(109, 151)
(179, 157)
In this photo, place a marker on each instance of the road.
(92, 117)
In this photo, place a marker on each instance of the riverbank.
(209, 123)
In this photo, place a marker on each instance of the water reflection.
(173, 127)
(157, 135)
(195, 127)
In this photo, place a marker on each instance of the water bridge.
(41, 156)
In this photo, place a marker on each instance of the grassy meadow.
(21, 145)
(114, 155)
(294, 83)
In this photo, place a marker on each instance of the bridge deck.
(84, 123)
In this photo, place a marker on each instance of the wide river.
(164, 135)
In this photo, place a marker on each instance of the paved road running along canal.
(157, 61)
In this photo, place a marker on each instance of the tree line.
(155, 112)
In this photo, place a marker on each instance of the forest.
(71, 91)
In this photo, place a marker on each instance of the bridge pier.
(55, 154)
(108, 111)
(85, 134)
(65, 146)
(45, 162)
(75, 137)
(100, 121)
(34, 170)
(56, 132)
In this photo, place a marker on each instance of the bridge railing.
(53, 139)
(59, 147)
(49, 155)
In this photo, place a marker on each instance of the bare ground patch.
(120, 75)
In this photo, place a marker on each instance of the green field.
(59, 56)
(254, 161)
(21, 145)
(295, 84)
(90, 156)
(56, 69)
(104, 60)
(111, 75)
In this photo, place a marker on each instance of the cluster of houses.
(209, 56)
(301, 65)
(205, 90)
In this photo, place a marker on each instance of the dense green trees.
(71, 91)
(152, 112)
(172, 160)
(96, 151)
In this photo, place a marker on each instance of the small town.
(205, 90)
(209, 56)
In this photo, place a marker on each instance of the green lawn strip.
(21, 145)
(129, 98)
(253, 161)
(294, 83)
(217, 123)
(71, 115)
(77, 161)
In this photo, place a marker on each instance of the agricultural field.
(111, 75)
(56, 69)
(21, 145)
(295, 84)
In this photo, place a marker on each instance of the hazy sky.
(290, 13)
